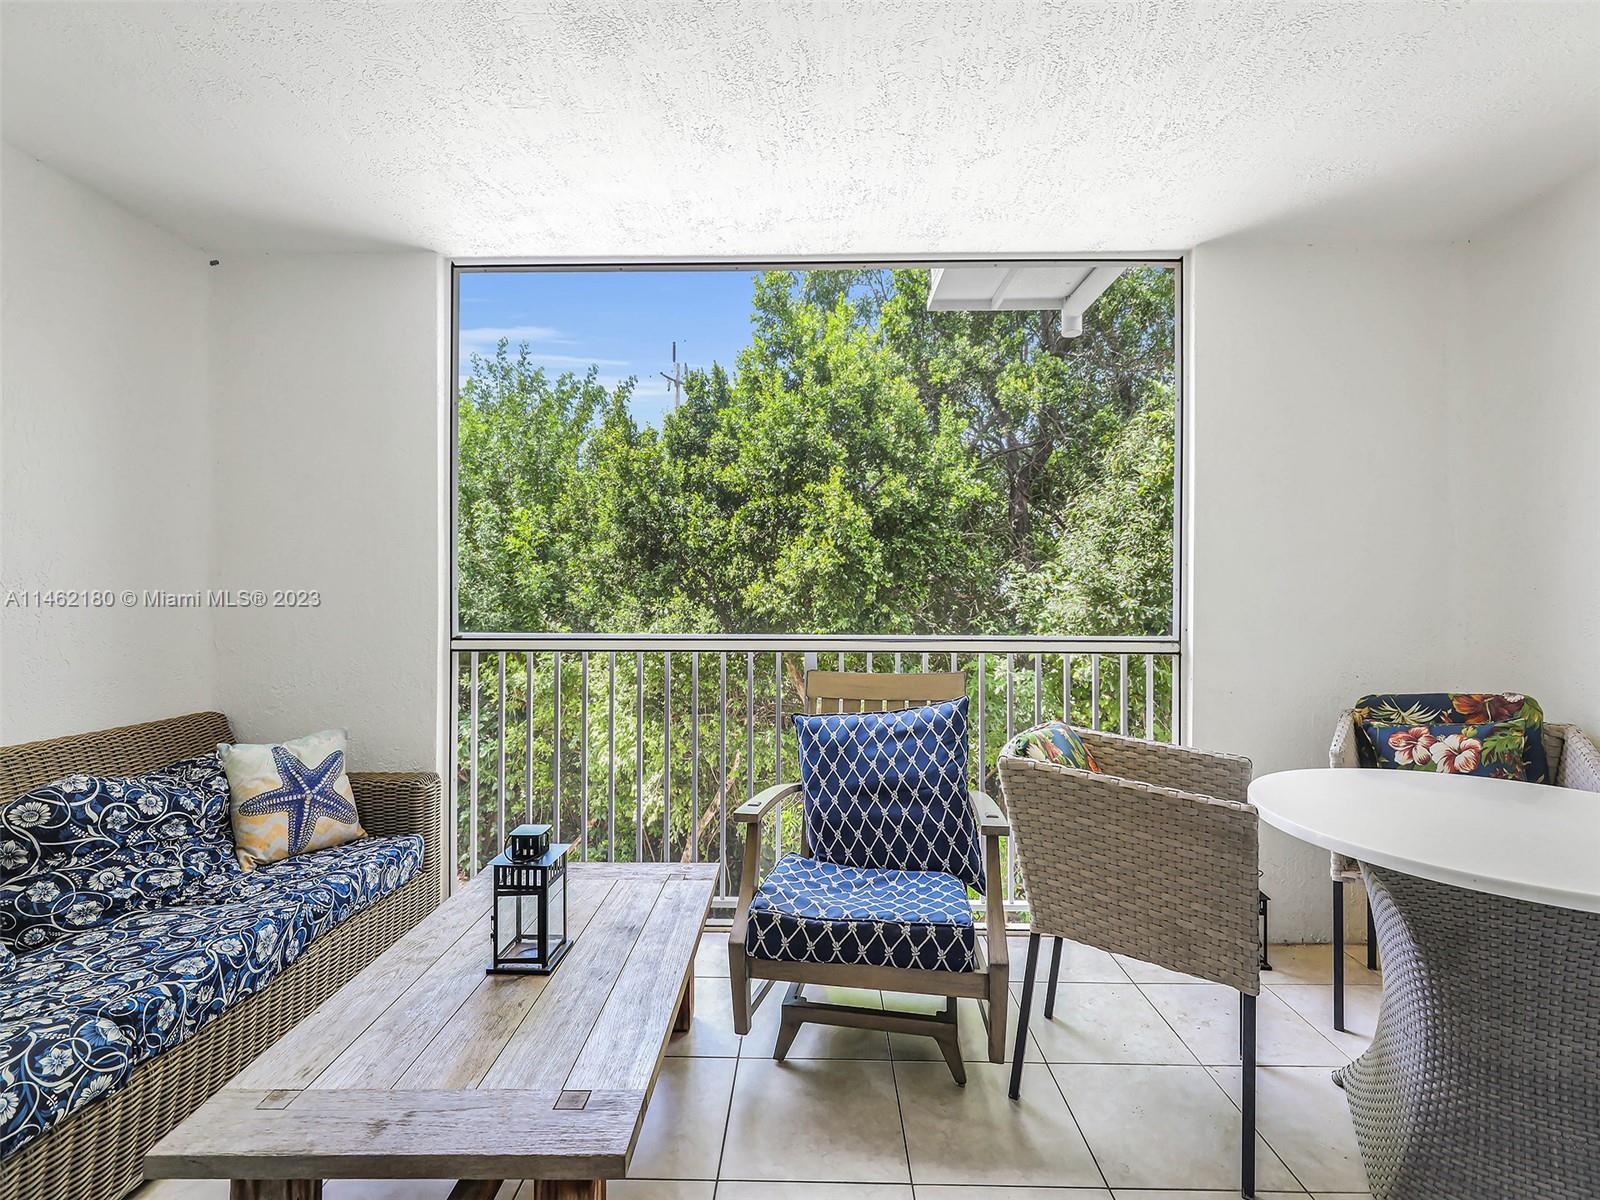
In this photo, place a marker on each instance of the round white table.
(1483, 1077)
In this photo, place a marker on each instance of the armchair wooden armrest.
(763, 802)
(991, 818)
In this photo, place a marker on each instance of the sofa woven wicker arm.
(96, 1153)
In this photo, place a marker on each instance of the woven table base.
(1483, 1077)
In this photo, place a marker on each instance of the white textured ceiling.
(498, 128)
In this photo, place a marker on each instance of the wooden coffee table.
(424, 1067)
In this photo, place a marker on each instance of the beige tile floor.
(1130, 1093)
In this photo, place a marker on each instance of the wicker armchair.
(97, 1152)
(1155, 858)
(1574, 763)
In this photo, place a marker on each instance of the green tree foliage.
(867, 467)
(864, 466)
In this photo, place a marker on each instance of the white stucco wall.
(327, 383)
(1528, 416)
(106, 457)
(1318, 397)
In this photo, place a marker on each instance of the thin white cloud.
(485, 337)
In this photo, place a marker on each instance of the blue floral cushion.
(1493, 749)
(332, 883)
(79, 1015)
(888, 790)
(1453, 708)
(83, 849)
(8, 958)
(818, 912)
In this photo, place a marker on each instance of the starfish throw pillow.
(290, 797)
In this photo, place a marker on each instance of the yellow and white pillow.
(289, 797)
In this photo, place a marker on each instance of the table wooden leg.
(275, 1189)
(475, 1189)
(685, 1007)
(568, 1189)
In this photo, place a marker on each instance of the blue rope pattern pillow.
(888, 790)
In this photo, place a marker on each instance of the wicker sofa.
(95, 1152)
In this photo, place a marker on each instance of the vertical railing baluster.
(583, 756)
(1066, 688)
(1150, 697)
(472, 769)
(527, 738)
(983, 729)
(1038, 689)
(1010, 695)
(555, 762)
(1122, 694)
(611, 764)
(694, 758)
(1174, 733)
(1094, 691)
(1011, 842)
(750, 725)
(454, 840)
(924, 662)
(722, 768)
(777, 749)
(638, 756)
(500, 748)
(666, 757)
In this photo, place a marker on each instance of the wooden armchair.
(892, 925)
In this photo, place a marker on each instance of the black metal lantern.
(529, 921)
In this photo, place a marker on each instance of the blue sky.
(622, 321)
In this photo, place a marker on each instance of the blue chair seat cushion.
(818, 912)
(80, 1014)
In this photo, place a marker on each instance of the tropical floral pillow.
(1448, 708)
(290, 797)
(1054, 741)
(1494, 748)
(85, 849)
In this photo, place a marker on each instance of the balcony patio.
(799, 602)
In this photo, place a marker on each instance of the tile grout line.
(1049, 1070)
(900, 1111)
(727, 1121)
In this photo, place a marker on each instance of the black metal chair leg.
(1338, 954)
(1022, 1015)
(1372, 939)
(1247, 1095)
(1055, 970)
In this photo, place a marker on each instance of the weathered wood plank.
(376, 1058)
(541, 1051)
(298, 1057)
(465, 1047)
(366, 1134)
(623, 1051)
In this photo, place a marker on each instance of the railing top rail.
(820, 643)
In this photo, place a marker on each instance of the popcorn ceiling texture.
(677, 129)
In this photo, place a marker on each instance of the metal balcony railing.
(635, 747)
